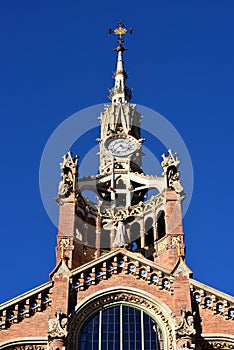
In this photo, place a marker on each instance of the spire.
(120, 92)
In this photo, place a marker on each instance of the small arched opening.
(135, 236)
(161, 227)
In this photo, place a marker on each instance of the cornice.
(26, 295)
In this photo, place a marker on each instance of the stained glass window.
(121, 327)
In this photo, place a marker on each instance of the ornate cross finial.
(120, 30)
(178, 247)
(64, 244)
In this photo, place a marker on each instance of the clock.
(121, 146)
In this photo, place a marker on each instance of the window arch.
(120, 327)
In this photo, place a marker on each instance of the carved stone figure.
(184, 325)
(171, 159)
(69, 173)
(174, 181)
(170, 166)
(57, 326)
(120, 238)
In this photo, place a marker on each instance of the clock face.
(121, 147)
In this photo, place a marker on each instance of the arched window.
(120, 327)
(149, 236)
(135, 236)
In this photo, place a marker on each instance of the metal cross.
(120, 31)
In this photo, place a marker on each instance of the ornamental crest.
(184, 325)
(57, 326)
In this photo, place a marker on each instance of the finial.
(120, 93)
(120, 31)
(64, 243)
(178, 247)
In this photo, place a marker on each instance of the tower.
(122, 217)
(120, 279)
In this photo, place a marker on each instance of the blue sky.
(57, 58)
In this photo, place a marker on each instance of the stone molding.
(25, 343)
(216, 341)
(122, 262)
(27, 347)
(91, 306)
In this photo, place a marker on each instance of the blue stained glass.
(120, 324)
(83, 346)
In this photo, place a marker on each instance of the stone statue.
(121, 237)
(57, 326)
(170, 165)
(174, 181)
(68, 174)
(184, 325)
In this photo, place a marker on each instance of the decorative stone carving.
(170, 166)
(174, 181)
(69, 174)
(171, 159)
(161, 247)
(64, 245)
(182, 268)
(135, 210)
(62, 270)
(119, 114)
(57, 326)
(184, 325)
(27, 347)
(185, 344)
(204, 344)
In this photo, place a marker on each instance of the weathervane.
(121, 30)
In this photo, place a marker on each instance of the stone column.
(142, 232)
(112, 237)
(98, 235)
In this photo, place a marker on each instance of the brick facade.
(171, 292)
